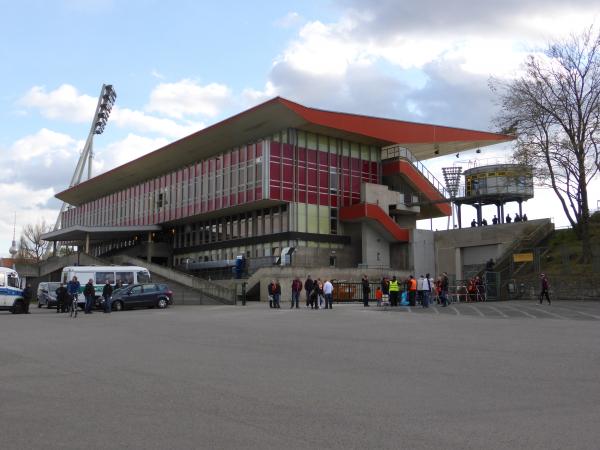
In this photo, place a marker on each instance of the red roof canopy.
(268, 118)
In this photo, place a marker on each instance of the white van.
(11, 294)
(100, 274)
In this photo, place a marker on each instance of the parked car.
(147, 295)
(46, 294)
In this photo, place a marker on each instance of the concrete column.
(149, 247)
(521, 208)
(458, 263)
(54, 248)
(87, 243)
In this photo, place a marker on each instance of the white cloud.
(156, 74)
(64, 103)
(326, 49)
(125, 150)
(188, 97)
(46, 144)
(253, 97)
(30, 207)
(138, 121)
(291, 19)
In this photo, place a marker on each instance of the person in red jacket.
(545, 289)
(296, 289)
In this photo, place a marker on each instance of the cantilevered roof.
(268, 118)
(79, 233)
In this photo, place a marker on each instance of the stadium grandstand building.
(280, 183)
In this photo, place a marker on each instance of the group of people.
(496, 221)
(67, 296)
(475, 290)
(319, 294)
(422, 291)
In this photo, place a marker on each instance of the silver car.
(46, 294)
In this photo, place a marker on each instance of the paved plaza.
(470, 376)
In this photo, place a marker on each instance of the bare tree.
(554, 109)
(31, 245)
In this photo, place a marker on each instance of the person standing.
(394, 291)
(545, 289)
(277, 295)
(61, 298)
(271, 293)
(106, 293)
(73, 288)
(444, 289)
(508, 218)
(421, 290)
(26, 299)
(428, 285)
(296, 289)
(328, 291)
(412, 290)
(366, 289)
(308, 287)
(89, 292)
(385, 290)
(321, 297)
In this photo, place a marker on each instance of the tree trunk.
(586, 244)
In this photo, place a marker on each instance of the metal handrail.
(396, 151)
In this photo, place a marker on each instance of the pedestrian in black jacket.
(366, 290)
(89, 293)
(106, 293)
(62, 298)
(27, 298)
(308, 287)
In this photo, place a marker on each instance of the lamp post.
(106, 101)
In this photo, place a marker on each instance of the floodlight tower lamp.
(104, 106)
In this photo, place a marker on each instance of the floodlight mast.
(106, 100)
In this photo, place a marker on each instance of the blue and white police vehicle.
(11, 294)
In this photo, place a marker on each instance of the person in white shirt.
(428, 288)
(421, 288)
(328, 292)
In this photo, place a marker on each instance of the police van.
(101, 274)
(11, 294)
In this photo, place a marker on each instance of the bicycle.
(74, 300)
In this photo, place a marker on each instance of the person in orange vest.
(412, 291)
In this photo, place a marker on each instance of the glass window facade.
(306, 176)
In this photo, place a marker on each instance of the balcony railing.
(397, 152)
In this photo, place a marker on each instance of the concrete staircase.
(184, 295)
(192, 290)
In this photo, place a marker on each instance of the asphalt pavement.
(471, 376)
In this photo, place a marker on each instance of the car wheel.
(18, 308)
(162, 303)
(117, 306)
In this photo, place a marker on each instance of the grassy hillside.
(564, 251)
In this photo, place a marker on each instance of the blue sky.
(179, 66)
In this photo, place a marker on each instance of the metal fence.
(351, 291)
